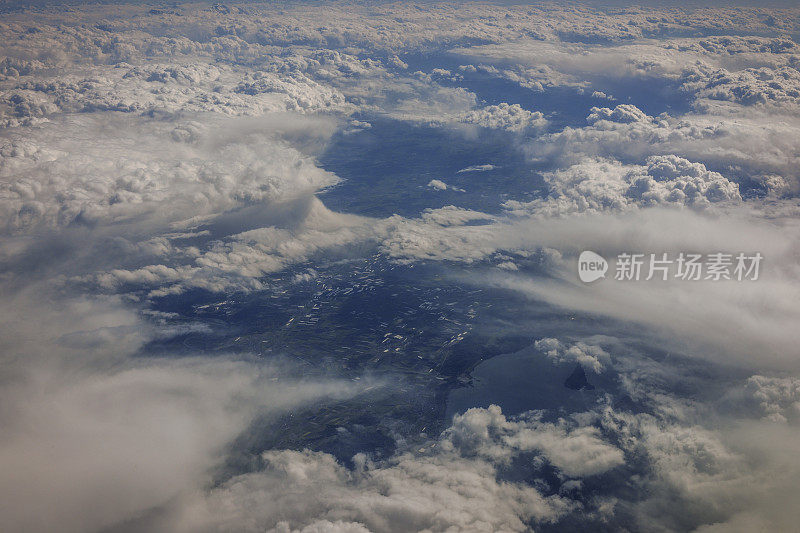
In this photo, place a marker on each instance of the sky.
(314, 267)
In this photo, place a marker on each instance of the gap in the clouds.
(527, 380)
(365, 424)
(442, 343)
(387, 168)
(418, 327)
(564, 106)
(650, 94)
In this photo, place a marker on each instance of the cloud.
(602, 96)
(148, 152)
(507, 117)
(593, 357)
(773, 86)
(457, 480)
(439, 185)
(300, 230)
(706, 319)
(717, 322)
(750, 146)
(451, 483)
(477, 168)
(87, 425)
(123, 442)
(777, 397)
(602, 185)
(53, 179)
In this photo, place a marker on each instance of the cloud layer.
(155, 160)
